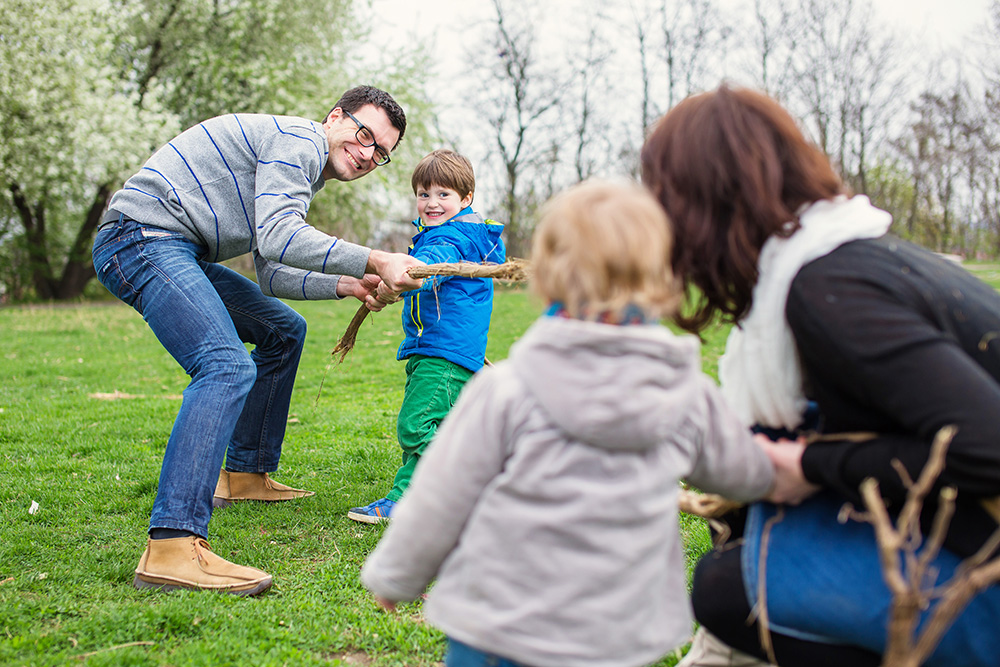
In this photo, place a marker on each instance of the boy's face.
(437, 204)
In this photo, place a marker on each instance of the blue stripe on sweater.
(270, 281)
(329, 250)
(299, 136)
(308, 273)
(279, 217)
(281, 258)
(245, 138)
(167, 181)
(287, 164)
(148, 194)
(281, 194)
(210, 208)
(236, 182)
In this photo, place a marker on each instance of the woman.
(886, 338)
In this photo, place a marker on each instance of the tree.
(68, 131)
(694, 40)
(847, 81)
(93, 87)
(517, 102)
(772, 41)
(988, 181)
(681, 48)
(589, 83)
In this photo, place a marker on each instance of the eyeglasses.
(367, 139)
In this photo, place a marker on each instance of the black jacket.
(899, 341)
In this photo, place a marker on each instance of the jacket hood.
(614, 387)
(468, 227)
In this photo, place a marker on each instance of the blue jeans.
(824, 584)
(202, 313)
(463, 655)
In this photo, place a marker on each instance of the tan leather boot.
(235, 486)
(188, 562)
(707, 650)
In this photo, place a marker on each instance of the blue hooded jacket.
(449, 316)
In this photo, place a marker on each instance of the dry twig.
(705, 505)
(84, 656)
(912, 586)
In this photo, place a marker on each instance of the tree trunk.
(33, 220)
(79, 267)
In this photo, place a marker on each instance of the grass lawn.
(87, 401)
(988, 272)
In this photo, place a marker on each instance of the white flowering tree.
(90, 88)
(68, 131)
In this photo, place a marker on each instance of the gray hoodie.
(546, 507)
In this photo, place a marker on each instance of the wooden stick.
(705, 505)
(513, 270)
(346, 342)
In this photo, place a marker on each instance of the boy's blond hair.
(600, 247)
(445, 168)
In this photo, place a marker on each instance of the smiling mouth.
(350, 158)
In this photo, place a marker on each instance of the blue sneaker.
(380, 510)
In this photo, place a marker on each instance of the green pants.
(432, 387)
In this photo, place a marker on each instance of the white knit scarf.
(760, 372)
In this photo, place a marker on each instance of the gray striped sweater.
(242, 183)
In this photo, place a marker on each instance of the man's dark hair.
(357, 97)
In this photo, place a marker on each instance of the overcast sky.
(443, 25)
(449, 28)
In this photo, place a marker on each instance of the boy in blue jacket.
(447, 320)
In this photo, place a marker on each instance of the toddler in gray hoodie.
(546, 506)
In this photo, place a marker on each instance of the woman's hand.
(790, 485)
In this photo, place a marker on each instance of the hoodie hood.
(471, 233)
(629, 386)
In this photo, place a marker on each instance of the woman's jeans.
(203, 313)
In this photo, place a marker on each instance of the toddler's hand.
(790, 484)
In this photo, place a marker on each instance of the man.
(233, 185)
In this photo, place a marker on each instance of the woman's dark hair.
(731, 168)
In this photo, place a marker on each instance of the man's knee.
(289, 335)
(297, 330)
(230, 367)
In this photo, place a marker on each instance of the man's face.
(348, 158)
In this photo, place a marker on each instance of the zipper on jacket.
(415, 314)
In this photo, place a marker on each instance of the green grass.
(92, 464)
(988, 272)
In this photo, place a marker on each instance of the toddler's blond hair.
(600, 247)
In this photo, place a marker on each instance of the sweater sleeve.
(467, 452)
(880, 357)
(289, 170)
(286, 282)
(726, 460)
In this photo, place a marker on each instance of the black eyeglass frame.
(357, 135)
